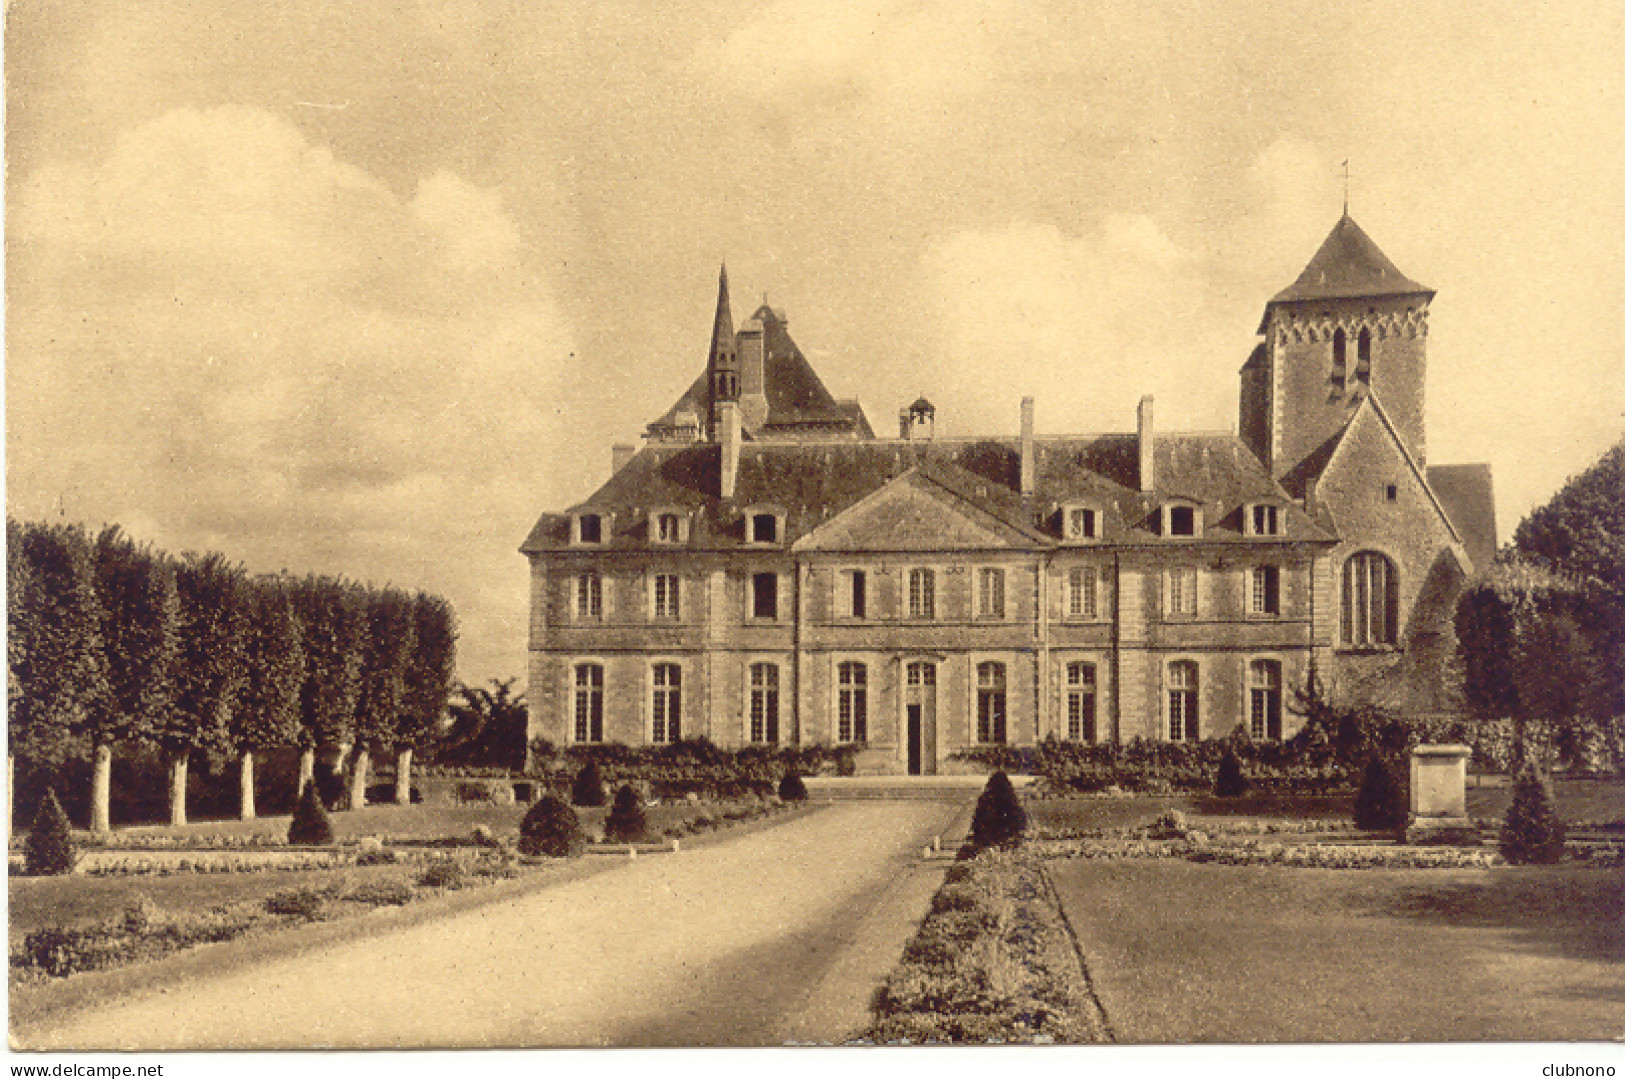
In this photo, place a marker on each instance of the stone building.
(765, 570)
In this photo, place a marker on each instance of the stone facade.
(765, 570)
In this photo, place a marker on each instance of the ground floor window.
(1080, 702)
(666, 719)
(1264, 687)
(853, 703)
(1182, 685)
(990, 703)
(764, 702)
(589, 703)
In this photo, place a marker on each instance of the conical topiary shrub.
(551, 829)
(1380, 805)
(999, 820)
(626, 822)
(791, 788)
(1231, 781)
(1532, 833)
(588, 788)
(311, 826)
(50, 851)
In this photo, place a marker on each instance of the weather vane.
(1345, 187)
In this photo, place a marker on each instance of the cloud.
(224, 334)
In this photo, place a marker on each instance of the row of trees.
(113, 644)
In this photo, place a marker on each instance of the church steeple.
(722, 364)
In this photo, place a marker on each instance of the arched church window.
(1370, 600)
(1340, 356)
(1362, 358)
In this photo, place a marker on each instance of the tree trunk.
(307, 771)
(11, 785)
(358, 777)
(245, 786)
(403, 776)
(177, 789)
(101, 789)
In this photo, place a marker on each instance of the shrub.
(1231, 782)
(1380, 805)
(792, 788)
(299, 902)
(999, 820)
(588, 788)
(311, 826)
(444, 873)
(626, 822)
(50, 851)
(383, 892)
(1169, 824)
(1531, 834)
(551, 828)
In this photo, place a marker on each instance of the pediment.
(911, 513)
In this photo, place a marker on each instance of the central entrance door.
(920, 716)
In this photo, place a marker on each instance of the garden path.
(774, 937)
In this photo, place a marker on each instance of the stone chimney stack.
(728, 420)
(1029, 463)
(620, 455)
(753, 375)
(1148, 448)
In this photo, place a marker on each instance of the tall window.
(990, 725)
(1362, 360)
(854, 594)
(764, 595)
(589, 704)
(1182, 686)
(1370, 600)
(667, 713)
(668, 599)
(922, 593)
(1182, 591)
(990, 593)
(1340, 358)
(1080, 702)
(668, 528)
(853, 703)
(1264, 689)
(1082, 592)
(1266, 590)
(764, 702)
(589, 597)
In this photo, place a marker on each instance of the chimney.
(620, 455)
(1028, 463)
(905, 424)
(753, 375)
(728, 418)
(1148, 449)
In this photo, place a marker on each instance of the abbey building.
(766, 570)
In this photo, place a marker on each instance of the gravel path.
(777, 936)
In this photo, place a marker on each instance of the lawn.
(1181, 952)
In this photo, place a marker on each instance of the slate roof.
(1467, 493)
(812, 482)
(1348, 265)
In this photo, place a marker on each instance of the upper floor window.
(1080, 702)
(666, 707)
(589, 597)
(1264, 691)
(668, 526)
(1180, 587)
(1263, 519)
(1362, 358)
(990, 703)
(852, 705)
(1182, 701)
(1370, 600)
(1082, 592)
(852, 598)
(1182, 519)
(668, 601)
(589, 702)
(1266, 590)
(990, 593)
(1080, 523)
(764, 595)
(589, 528)
(764, 702)
(764, 526)
(1340, 358)
(922, 593)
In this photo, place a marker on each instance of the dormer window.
(764, 525)
(1080, 523)
(589, 528)
(1262, 519)
(1182, 520)
(668, 526)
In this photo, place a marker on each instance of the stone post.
(1439, 796)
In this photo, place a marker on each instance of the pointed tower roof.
(1348, 264)
(722, 329)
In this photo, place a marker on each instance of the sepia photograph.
(863, 529)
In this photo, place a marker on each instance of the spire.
(722, 330)
(722, 363)
(1348, 264)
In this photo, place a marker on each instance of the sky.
(365, 288)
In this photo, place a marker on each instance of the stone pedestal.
(1439, 797)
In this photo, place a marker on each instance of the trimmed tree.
(429, 672)
(266, 712)
(311, 826)
(49, 850)
(792, 788)
(210, 669)
(1380, 805)
(551, 829)
(389, 643)
(330, 616)
(626, 822)
(1231, 781)
(588, 787)
(999, 820)
(1532, 832)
